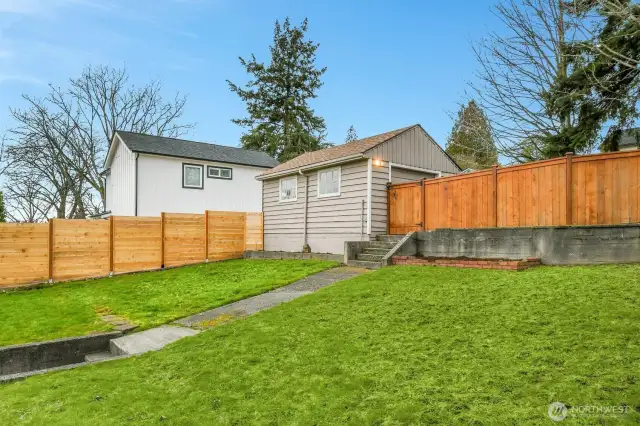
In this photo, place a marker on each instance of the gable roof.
(160, 145)
(359, 146)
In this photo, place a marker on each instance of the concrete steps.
(149, 340)
(98, 357)
(373, 252)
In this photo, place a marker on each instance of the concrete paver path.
(245, 307)
(156, 338)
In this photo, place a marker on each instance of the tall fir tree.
(351, 135)
(280, 120)
(471, 141)
(601, 87)
(3, 212)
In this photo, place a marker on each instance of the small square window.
(192, 175)
(219, 172)
(329, 183)
(289, 189)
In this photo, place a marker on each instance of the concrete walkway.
(159, 337)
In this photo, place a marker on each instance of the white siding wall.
(330, 221)
(160, 188)
(121, 182)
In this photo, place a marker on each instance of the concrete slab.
(273, 298)
(149, 340)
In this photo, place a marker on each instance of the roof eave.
(321, 164)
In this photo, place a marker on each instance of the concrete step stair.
(369, 257)
(389, 238)
(375, 250)
(382, 244)
(364, 264)
(149, 340)
(98, 356)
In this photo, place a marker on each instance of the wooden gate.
(405, 207)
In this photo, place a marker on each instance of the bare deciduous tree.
(517, 70)
(64, 137)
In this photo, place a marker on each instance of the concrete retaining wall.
(567, 245)
(292, 255)
(54, 353)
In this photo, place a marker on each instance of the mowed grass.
(404, 345)
(146, 299)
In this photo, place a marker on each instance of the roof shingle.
(160, 145)
(350, 148)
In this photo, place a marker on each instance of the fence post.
(244, 234)
(162, 240)
(494, 193)
(51, 230)
(569, 188)
(424, 202)
(111, 236)
(206, 235)
(388, 208)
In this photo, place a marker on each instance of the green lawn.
(146, 299)
(404, 345)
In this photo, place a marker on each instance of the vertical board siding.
(414, 148)
(24, 253)
(604, 189)
(226, 235)
(136, 244)
(80, 249)
(183, 239)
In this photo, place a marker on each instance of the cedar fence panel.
(254, 232)
(405, 208)
(137, 244)
(226, 235)
(184, 241)
(76, 249)
(24, 253)
(599, 189)
(80, 248)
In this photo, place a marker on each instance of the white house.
(147, 175)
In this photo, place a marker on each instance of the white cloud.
(21, 78)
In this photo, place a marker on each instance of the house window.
(219, 172)
(329, 183)
(192, 176)
(289, 189)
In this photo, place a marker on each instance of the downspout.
(306, 203)
(136, 187)
(369, 188)
(390, 171)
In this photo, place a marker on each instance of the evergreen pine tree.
(280, 121)
(471, 142)
(3, 213)
(351, 135)
(601, 86)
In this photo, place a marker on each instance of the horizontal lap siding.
(379, 180)
(344, 213)
(137, 243)
(24, 253)
(399, 175)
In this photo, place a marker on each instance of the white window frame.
(332, 194)
(195, 166)
(290, 200)
(220, 169)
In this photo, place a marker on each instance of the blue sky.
(390, 63)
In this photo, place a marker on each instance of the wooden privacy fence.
(598, 189)
(66, 249)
